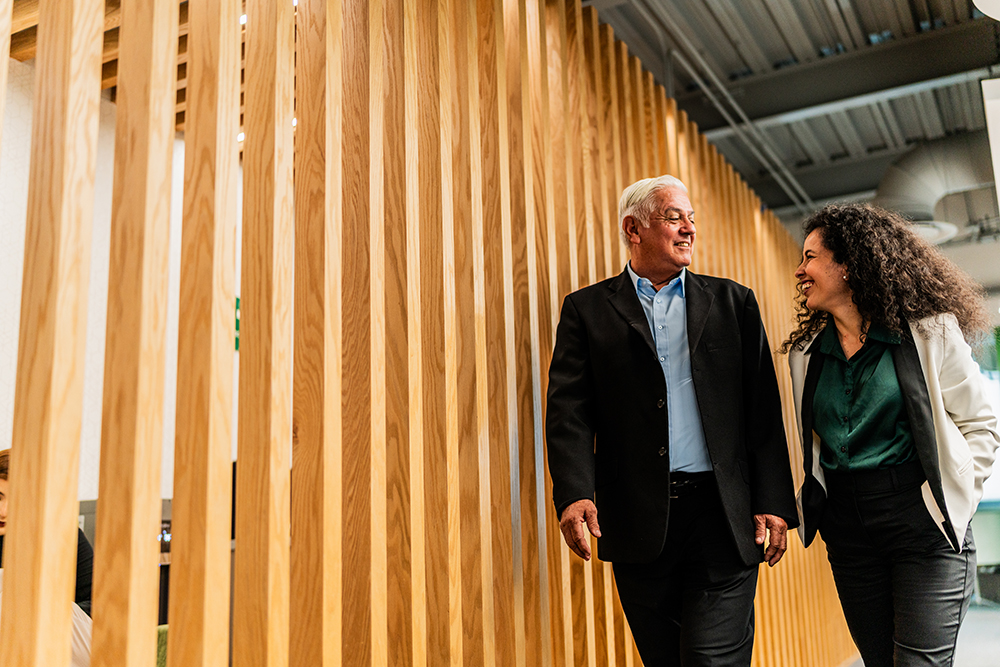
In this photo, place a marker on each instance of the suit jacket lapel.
(624, 300)
(918, 408)
(699, 304)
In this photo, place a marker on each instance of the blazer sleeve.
(968, 406)
(771, 489)
(569, 423)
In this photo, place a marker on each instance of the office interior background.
(400, 192)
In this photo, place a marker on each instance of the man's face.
(665, 246)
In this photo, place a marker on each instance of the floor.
(978, 640)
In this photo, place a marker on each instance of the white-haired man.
(665, 438)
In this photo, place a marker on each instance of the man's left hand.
(777, 540)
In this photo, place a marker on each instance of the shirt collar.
(641, 284)
(828, 343)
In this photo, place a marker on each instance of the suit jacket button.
(660, 403)
(663, 451)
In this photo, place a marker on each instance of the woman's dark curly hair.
(896, 276)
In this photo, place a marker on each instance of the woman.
(84, 552)
(898, 435)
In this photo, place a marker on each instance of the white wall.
(15, 153)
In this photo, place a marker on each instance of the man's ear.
(629, 223)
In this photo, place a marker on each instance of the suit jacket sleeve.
(569, 423)
(771, 490)
(968, 406)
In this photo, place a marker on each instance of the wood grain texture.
(457, 170)
(316, 551)
(48, 390)
(261, 593)
(201, 514)
(495, 128)
(125, 582)
(6, 16)
(444, 492)
(356, 407)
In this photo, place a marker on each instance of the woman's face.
(822, 280)
(3, 506)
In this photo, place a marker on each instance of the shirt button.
(843, 449)
(659, 403)
(660, 327)
(663, 451)
(847, 391)
(662, 359)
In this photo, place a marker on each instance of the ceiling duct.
(916, 182)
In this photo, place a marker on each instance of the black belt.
(882, 480)
(686, 483)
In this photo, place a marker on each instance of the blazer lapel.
(918, 408)
(699, 304)
(624, 300)
(813, 496)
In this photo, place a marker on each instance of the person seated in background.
(84, 552)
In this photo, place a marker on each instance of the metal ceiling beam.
(879, 97)
(937, 53)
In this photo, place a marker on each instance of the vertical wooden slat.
(383, 201)
(521, 332)
(475, 460)
(497, 353)
(6, 13)
(538, 219)
(356, 385)
(200, 549)
(41, 537)
(430, 569)
(612, 149)
(399, 234)
(600, 176)
(317, 492)
(260, 596)
(125, 581)
(446, 640)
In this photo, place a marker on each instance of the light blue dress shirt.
(666, 313)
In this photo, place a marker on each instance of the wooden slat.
(24, 26)
(6, 7)
(428, 498)
(521, 548)
(317, 476)
(356, 353)
(445, 642)
(534, 498)
(604, 243)
(612, 150)
(261, 579)
(494, 350)
(401, 377)
(199, 600)
(125, 582)
(41, 535)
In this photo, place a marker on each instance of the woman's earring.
(845, 276)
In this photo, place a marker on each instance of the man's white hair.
(639, 200)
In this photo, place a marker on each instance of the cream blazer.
(965, 426)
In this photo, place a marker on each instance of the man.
(663, 408)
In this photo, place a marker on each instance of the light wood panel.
(261, 581)
(317, 546)
(41, 536)
(128, 517)
(457, 170)
(6, 17)
(201, 514)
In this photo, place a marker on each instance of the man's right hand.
(571, 524)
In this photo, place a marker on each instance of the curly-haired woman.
(898, 435)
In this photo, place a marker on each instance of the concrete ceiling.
(836, 92)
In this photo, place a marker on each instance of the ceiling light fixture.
(989, 7)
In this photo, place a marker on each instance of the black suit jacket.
(607, 417)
